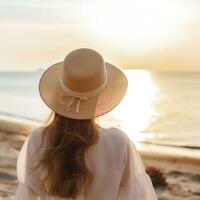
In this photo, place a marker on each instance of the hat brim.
(100, 104)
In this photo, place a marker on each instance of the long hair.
(66, 142)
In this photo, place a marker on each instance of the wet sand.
(182, 176)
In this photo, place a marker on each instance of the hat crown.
(83, 70)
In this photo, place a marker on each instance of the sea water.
(159, 107)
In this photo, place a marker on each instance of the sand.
(9, 144)
(182, 176)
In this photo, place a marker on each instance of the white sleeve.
(135, 183)
(23, 192)
(30, 185)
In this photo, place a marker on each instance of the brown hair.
(67, 141)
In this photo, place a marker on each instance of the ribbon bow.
(72, 101)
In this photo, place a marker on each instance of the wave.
(15, 116)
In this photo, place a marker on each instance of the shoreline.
(147, 150)
(15, 125)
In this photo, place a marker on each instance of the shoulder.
(116, 135)
(120, 139)
(36, 133)
(30, 144)
(35, 138)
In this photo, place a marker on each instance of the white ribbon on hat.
(80, 95)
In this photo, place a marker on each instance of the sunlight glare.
(136, 111)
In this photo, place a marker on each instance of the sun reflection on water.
(136, 110)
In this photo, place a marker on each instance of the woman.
(72, 157)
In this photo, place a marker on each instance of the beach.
(182, 174)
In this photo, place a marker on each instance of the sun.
(140, 24)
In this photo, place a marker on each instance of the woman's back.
(109, 160)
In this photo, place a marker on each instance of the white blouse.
(114, 161)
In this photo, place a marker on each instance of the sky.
(147, 34)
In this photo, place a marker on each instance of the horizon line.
(128, 68)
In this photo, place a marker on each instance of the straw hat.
(83, 86)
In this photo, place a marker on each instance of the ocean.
(159, 107)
